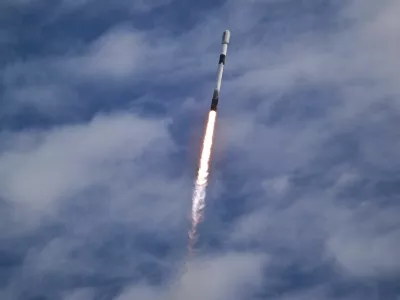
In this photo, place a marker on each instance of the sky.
(102, 110)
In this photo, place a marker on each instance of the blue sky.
(102, 112)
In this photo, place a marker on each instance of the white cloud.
(69, 156)
(362, 238)
(364, 241)
(80, 294)
(314, 222)
(140, 6)
(148, 5)
(116, 54)
(360, 63)
(141, 291)
(277, 186)
(226, 276)
(41, 169)
(223, 277)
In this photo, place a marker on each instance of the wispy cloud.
(305, 171)
(115, 54)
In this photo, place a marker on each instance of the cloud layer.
(102, 111)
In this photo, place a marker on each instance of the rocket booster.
(224, 47)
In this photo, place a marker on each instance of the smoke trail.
(199, 193)
(198, 203)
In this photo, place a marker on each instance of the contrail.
(199, 192)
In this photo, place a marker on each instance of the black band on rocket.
(214, 101)
(214, 104)
(222, 59)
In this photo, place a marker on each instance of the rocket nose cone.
(226, 37)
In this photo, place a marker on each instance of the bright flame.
(199, 193)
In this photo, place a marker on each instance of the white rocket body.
(224, 48)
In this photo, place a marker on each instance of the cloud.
(97, 181)
(305, 162)
(117, 53)
(42, 169)
(365, 243)
(69, 157)
(358, 60)
(146, 6)
(140, 292)
(313, 168)
(140, 6)
(226, 276)
(80, 294)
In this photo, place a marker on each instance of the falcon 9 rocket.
(225, 42)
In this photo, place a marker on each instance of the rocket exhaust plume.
(199, 192)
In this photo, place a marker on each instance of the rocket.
(224, 47)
